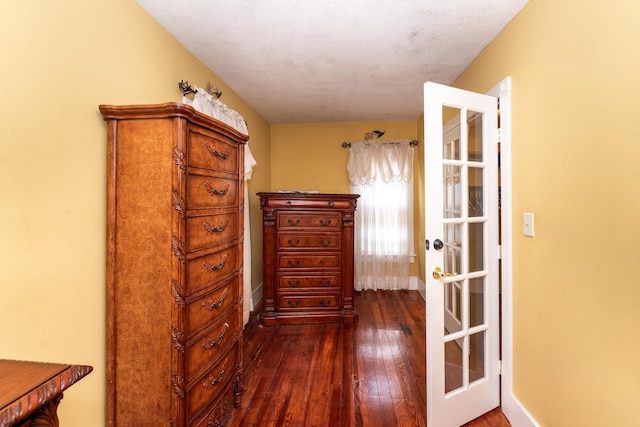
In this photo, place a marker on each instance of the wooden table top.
(26, 387)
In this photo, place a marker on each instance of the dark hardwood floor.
(326, 375)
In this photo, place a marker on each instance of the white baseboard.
(257, 295)
(415, 284)
(516, 413)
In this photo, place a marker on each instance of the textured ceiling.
(335, 60)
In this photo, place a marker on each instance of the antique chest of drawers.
(308, 257)
(174, 262)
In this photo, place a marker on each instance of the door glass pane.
(453, 248)
(476, 247)
(453, 308)
(476, 301)
(474, 123)
(452, 195)
(476, 356)
(476, 193)
(451, 148)
(453, 378)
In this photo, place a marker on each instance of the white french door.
(462, 278)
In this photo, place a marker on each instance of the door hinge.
(499, 251)
(426, 244)
(499, 367)
(499, 137)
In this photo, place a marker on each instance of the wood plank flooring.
(371, 374)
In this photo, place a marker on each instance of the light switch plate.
(528, 224)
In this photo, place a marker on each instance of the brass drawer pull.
(293, 284)
(213, 229)
(293, 264)
(212, 305)
(213, 381)
(325, 223)
(325, 303)
(216, 153)
(294, 244)
(325, 244)
(293, 223)
(324, 283)
(213, 267)
(215, 191)
(293, 303)
(210, 344)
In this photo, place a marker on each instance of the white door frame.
(511, 406)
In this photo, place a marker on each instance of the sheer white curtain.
(207, 104)
(382, 173)
(249, 164)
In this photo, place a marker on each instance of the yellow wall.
(59, 61)
(575, 67)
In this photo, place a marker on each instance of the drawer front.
(206, 388)
(211, 230)
(209, 307)
(210, 346)
(308, 302)
(298, 282)
(219, 413)
(310, 260)
(345, 202)
(211, 152)
(302, 219)
(206, 270)
(299, 242)
(211, 192)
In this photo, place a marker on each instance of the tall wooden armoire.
(174, 266)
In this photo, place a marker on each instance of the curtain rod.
(413, 142)
(186, 89)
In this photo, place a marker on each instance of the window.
(382, 173)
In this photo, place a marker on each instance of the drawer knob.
(216, 192)
(325, 223)
(213, 229)
(208, 344)
(216, 153)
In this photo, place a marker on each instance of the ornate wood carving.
(37, 390)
